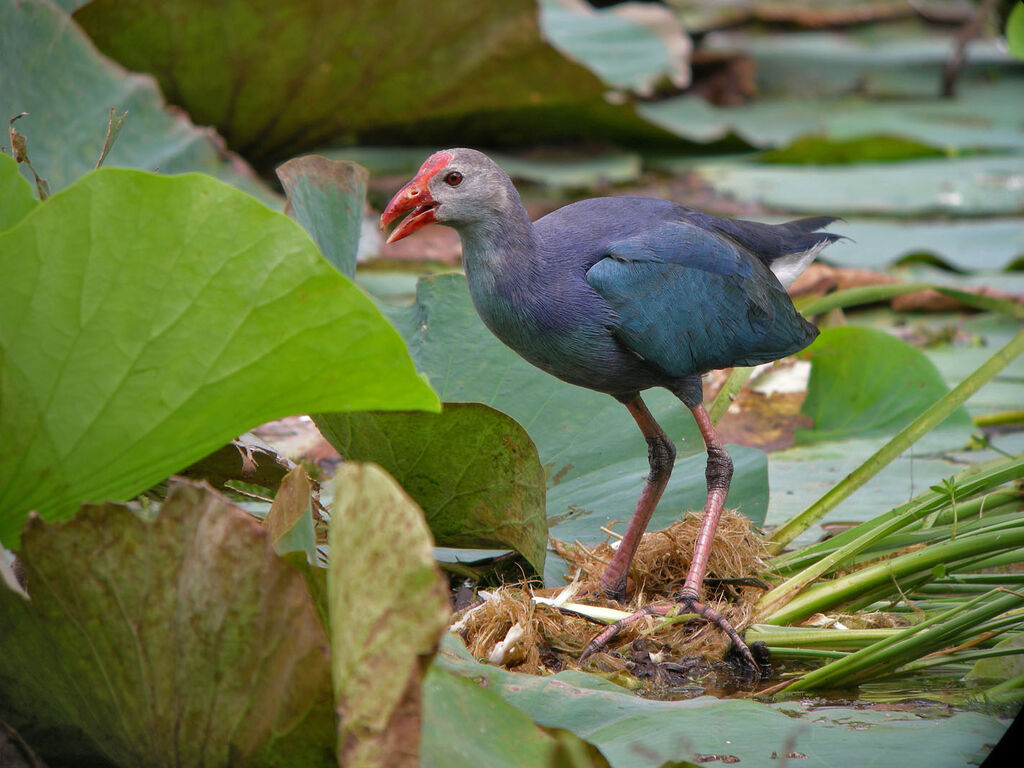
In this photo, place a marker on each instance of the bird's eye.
(453, 179)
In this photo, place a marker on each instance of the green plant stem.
(906, 437)
(913, 565)
(874, 531)
(825, 639)
(979, 479)
(890, 653)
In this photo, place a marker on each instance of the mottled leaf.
(388, 606)
(181, 640)
(146, 320)
(473, 470)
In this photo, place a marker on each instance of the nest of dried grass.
(508, 628)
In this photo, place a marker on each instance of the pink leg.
(661, 455)
(719, 474)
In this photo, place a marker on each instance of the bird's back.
(690, 292)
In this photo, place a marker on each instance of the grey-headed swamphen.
(621, 294)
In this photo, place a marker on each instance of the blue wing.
(690, 301)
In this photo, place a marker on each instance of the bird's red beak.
(414, 196)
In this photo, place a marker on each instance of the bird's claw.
(686, 605)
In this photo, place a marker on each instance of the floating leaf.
(633, 732)
(133, 345)
(982, 117)
(971, 186)
(971, 245)
(181, 640)
(382, 638)
(473, 470)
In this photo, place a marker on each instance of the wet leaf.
(866, 383)
(594, 455)
(473, 470)
(441, 73)
(51, 70)
(382, 638)
(327, 198)
(290, 520)
(133, 345)
(181, 640)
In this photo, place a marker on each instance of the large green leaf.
(388, 605)
(145, 321)
(182, 640)
(49, 69)
(865, 382)
(640, 733)
(593, 453)
(473, 470)
(291, 78)
(983, 116)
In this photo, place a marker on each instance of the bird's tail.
(802, 242)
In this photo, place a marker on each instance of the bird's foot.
(739, 647)
(686, 605)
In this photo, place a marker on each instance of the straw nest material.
(510, 629)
